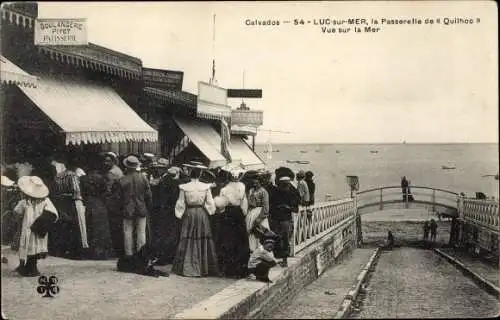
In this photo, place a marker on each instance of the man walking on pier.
(404, 187)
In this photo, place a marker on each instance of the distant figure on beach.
(404, 187)
(408, 191)
(433, 227)
(390, 240)
(426, 230)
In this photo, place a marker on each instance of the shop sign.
(162, 79)
(244, 93)
(61, 32)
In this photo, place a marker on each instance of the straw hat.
(6, 182)
(162, 162)
(33, 186)
(194, 164)
(285, 179)
(111, 154)
(174, 170)
(131, 162)
(268, 240)
(301, 174)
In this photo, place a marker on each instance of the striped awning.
(205, 138)
(12, 74)
(88, 112)
(241, 152)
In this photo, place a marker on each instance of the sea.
(384, 164)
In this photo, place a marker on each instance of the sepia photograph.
(249, 160)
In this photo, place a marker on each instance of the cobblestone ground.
(94, 290)
(416, 283)
(487, 271)
(320, 299)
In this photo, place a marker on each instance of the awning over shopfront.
(12, 74)
(87, 112)
(205, 138)
(241, 152)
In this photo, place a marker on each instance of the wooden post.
(253, 143)
(381, 199)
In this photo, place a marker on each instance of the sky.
(428, 83)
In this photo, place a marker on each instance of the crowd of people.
(205, 222)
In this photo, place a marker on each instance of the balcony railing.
(247, 117)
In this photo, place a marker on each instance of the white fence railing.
(484, 213)
(324, 218)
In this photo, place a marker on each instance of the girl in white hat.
(38, 215)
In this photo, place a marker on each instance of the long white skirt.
(250, 219)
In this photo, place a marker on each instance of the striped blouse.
(67, 183)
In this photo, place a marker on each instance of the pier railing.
(484, 213)
(314, 222)
(433, 199)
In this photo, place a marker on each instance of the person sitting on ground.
(262, 260)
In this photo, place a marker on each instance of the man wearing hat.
(302, 188)
(112, 175)
(134, 194)
(262, 260)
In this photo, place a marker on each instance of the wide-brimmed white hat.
(33, 186)
(6, 182)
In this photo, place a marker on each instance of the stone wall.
(248, 299)
(309, 266)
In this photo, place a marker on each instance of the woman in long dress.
(196, 255)
(232, 245)
(93, 188)
(258, 211)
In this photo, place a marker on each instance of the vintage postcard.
(253, 159)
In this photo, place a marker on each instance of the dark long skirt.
(115, 223)
(284, 231)
(100, 243)
(65, 238)
(196, 256)
(166, 229)
(232, 245)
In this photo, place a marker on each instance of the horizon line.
(264, 143)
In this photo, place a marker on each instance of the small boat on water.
(448, 167)
(495, 176)
(337, 151)
(373, 151)
(298, 161)
(303, 151)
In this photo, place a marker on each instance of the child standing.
(38, 214)
(262, 260)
